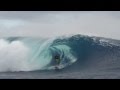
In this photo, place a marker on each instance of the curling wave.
(76, 52)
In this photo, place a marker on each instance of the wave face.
(76, 52)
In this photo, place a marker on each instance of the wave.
(76, 52)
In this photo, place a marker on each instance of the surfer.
(57, 59)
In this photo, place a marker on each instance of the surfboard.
(57, 67)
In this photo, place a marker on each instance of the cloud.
(56, 23)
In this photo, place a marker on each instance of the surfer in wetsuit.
(57, 59)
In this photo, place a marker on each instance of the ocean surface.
(82, 57)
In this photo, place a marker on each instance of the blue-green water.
(81, 57)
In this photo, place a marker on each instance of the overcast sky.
(57, 23)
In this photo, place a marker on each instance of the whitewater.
(81, 56)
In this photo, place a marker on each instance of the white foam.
(13, 56)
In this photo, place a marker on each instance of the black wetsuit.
(57, 58)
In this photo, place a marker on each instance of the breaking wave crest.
(29, 54)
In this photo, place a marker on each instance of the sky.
(58, 23)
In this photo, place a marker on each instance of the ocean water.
(82, 57)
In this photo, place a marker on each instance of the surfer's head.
(57, 56)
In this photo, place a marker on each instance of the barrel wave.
(77, 53)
